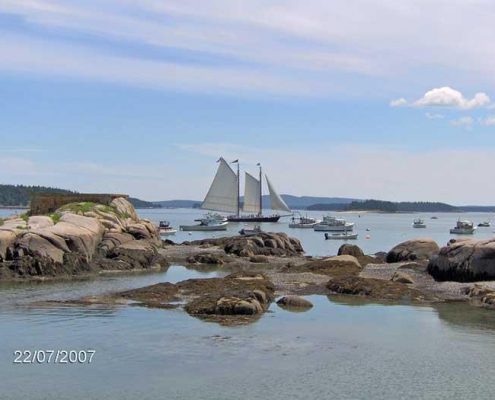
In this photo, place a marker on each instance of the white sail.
(252, 193)
(276, 201)
(223, 193)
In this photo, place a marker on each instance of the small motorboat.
(341, 236)
(303, 222)
(419, 223)
(165, 228)
(251, 232)
(334, 224)
(434, 217)
(463, 228)
(484, 224)
(206, 224)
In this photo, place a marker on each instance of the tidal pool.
(342, 348)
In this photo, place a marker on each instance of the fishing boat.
(251, 232)
(206, 224)
(434, 217)
(165, 228)
(224, 195)
(419, 223)
(303, 222)
(484, 224)
(341, 236)
(463, 228)
(334, 224)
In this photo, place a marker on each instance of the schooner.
(224, 195)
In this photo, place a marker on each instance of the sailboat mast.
(261, 192)
(238, 190)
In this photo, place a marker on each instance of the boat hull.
(419, 225)
(254, 218)
(337, 236)
(333, 228)
(204, 228)
(303, 226)
(458, 231)
(165, 232)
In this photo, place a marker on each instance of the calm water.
(342, 348)
(385, 230)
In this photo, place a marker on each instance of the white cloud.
(398, 102)
(488, 121)
(448, 97)
(466, 122)
(310, 42)
(434, 116)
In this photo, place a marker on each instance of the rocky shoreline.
(258, 269)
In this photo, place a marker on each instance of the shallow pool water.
(342, 348)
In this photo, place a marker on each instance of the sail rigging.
(277, 203)
(252, 195)
(223, 192)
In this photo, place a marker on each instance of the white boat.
(484, 224)
(251, 232)
(419, 223)
(463, 228)
(213, 217)
(303, 222)
(206, 224)
(165, 228)
(334, 224)
(224, 195)
(341, 236)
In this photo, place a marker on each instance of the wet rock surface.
(293, 301)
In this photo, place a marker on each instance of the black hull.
(254, 218)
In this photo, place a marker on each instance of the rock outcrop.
(413, 250)
(464, 260)
(265, 244)
(78, 238)
(351, 250)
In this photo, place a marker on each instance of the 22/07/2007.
(54, 356)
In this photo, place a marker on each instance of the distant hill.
(387, 206)
(20, 195)
(302, 202)
(138, 203)
(178, 203)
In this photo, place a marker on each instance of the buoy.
(368, 237)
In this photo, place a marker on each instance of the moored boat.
(251, 232)
(303, 222)
(419, 223)
(484, 224)
(206, 224)
(463, 228)
(334, 224)
(341, 236)
(165, 228)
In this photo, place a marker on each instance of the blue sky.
(384, 99)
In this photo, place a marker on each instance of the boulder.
(125, 209)
(412, 250)
(464, 260)
(351, 250)
(333, 266)
(36, 246)
(294, 301)
(7, 239)
(402, 277)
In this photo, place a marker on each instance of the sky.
(386, 99)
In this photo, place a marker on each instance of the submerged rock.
(464, 260)
(412, 250)
(294, 301)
